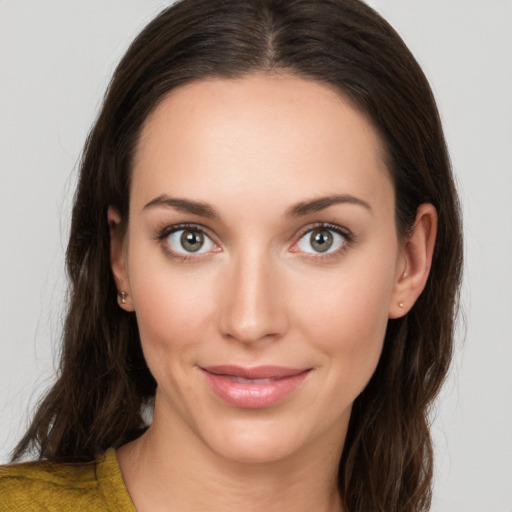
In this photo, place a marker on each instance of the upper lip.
(255, 372)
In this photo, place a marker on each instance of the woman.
(265, 247)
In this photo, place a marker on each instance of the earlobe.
(118, 260)
(417, 253)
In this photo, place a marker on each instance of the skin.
(253, 149)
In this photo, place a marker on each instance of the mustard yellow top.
(47, 487)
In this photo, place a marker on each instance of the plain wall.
(56, 57)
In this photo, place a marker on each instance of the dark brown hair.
(104, 383)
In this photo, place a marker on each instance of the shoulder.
(44, 486)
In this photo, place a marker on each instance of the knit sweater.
(48, 487)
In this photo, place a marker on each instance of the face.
(261, 259)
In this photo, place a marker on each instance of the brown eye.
(321, 240)
(192, 241)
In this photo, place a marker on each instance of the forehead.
(275, 135)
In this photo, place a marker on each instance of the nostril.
(251, 309)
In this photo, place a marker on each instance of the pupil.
(321, 240)
(192, 241)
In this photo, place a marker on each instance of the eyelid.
(325, 225)
(348, 236)
(172, 228)
(168, 230)
(163, 233)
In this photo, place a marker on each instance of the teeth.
(242, 380)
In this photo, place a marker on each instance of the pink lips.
(253, 388)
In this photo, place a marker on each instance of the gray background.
(55, 59)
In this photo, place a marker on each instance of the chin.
(253, 453)
(257, 442)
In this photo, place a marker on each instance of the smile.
(242, 380)
(253, 388)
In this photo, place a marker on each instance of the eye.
(322, 240)
(189, 241)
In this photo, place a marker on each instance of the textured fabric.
(46, 487)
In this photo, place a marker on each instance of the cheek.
(174, 310)
(174, 317)
(345, 316)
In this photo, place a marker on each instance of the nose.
(251, 309)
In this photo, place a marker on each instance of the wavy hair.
(104, 383)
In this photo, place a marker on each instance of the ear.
(415, 262)
(118, 260)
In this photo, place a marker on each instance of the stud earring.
(401, 304)
(122, 297)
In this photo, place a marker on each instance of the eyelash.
(347, 235)
(169, 230)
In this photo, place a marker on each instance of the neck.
(162, 474)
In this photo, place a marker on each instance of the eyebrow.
(298, 210)
(183, 205)
(316, 205)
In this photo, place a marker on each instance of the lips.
(254, 388)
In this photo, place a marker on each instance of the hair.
(104, 383)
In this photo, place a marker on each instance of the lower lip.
(253, 395)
